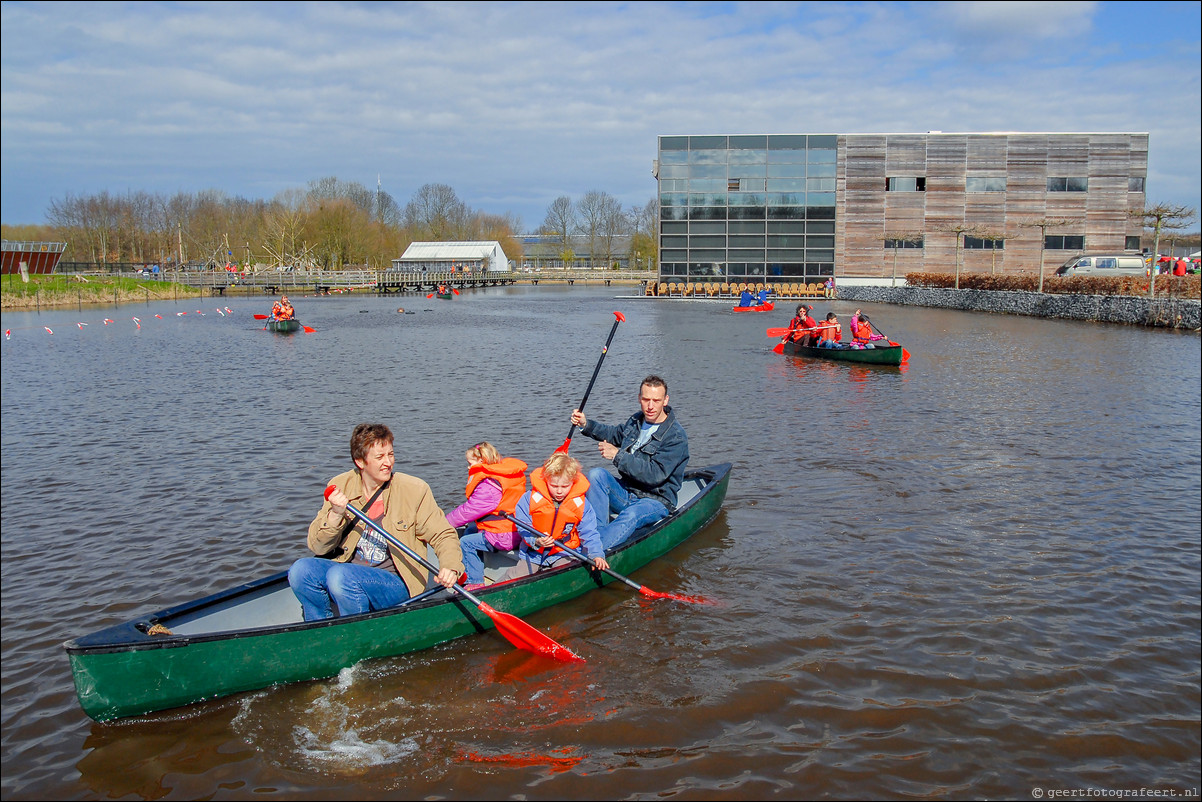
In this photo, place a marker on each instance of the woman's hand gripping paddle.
(619, 318)
(646, 591)
(515, 630)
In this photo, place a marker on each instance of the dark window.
(1067, 184)
(906, 184)
(978, 244)
(1064, 243)
(893, 244)
(1135, 185)
(1132, 243)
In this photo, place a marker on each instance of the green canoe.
(877, 355)
(283, 326)
(253, 636)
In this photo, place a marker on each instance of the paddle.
(618, 318)
(262, 317)
(905, 353)
(780, 346)
(515, 630)
(643, 589)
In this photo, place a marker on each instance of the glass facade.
(747, 208)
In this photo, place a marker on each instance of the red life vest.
(863, 332)
(560, 521)
(510, 473)
(830, 330)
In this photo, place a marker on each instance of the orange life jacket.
(510, 473)
(558, 520)
(863, 332)
(830, 330)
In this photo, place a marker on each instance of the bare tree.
(595, 209)
(961, 229)
(1043, 224)
(435, 213)
(1158, 217)
(561, 222)
(901, 239)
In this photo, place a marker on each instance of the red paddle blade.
(905, 355)
(431, 295)
(455, 291)
(655, 594)
(308, 329)
(564, 448)
(260, 317)
(779, 349)
(781, 332)
(524, 636)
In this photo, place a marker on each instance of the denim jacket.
(657, 469)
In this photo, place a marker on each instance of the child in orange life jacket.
(494, 484)
(556, 505)
(830, 332)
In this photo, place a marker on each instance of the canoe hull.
(283, 326)
(888, 355)
(768, 307)
(122, 671)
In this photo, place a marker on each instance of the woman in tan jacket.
(357, 570)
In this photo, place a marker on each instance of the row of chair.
(733, 289)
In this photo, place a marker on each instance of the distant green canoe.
(253, 635)
(283, 326)
(445, 296)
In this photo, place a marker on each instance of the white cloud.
(523, 102)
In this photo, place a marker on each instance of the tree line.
(329, 224)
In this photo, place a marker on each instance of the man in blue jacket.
(650, 451)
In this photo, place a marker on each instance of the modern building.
(453, 257)
(780, 208)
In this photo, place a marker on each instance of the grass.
(67, 290)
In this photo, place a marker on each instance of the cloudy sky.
(516, 104)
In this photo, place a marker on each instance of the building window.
(732, 185)
(978, 244)
(1067, 184)
(1132, 242)
(983, 184)
(1135, 185)
(893, 244)
(1064, 243)
(906, 184)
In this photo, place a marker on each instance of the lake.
(976, 576)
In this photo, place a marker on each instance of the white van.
(1104, 264)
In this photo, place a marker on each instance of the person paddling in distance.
(356, 570)
(556, 505)
(862, 334)
(802, 326)
(494, 485)
(650, 452)
(282, 309)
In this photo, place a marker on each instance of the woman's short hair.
(367, 435)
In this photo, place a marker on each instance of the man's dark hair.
(654, 381)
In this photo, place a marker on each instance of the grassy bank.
(57, 292)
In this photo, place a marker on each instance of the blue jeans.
(321, 584)
(472, 544)
(607, 495)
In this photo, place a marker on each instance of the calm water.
(974, 578)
